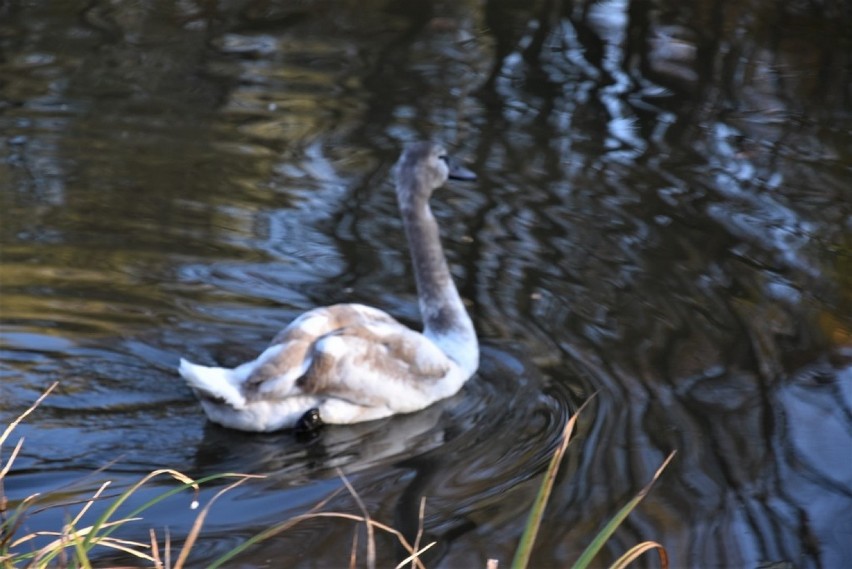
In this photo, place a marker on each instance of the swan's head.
(425, 166)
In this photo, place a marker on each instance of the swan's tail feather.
(213, 383)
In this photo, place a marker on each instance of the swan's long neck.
(445, 319)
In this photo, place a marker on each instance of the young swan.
(349, 363)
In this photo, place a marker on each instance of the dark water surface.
(663, 216)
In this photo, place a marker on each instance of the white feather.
(214, 382)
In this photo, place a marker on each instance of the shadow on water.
(662, 217)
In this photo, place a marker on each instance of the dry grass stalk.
(22, 416)
(4, 501)
(421, 514)
(415, 557)
(637, 551)
(80, 541)
(371, 537)
(155, 551)
(199, 521)
(353, 552)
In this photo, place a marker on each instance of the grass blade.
(11, 426)
(79, 549)
(102, 519)
(371, 537)
(199, 521)
(597, 544)
(637, 550)
(415, 557)
(524, 551)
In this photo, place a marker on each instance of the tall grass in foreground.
(524, 551)
(73, 544)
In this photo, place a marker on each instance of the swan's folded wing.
(318, 322)
(274, 376)
(377, 364)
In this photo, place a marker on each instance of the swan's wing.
(380, 364)
(293, 350)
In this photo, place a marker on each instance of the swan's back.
(297, 346)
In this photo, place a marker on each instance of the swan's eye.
(444, 158)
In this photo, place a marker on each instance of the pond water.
(662, 218)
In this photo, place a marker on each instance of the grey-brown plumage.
(351, 362)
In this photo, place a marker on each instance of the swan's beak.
(459, 172)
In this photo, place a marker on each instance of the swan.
(349, 363)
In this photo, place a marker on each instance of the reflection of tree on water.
(685, 295)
